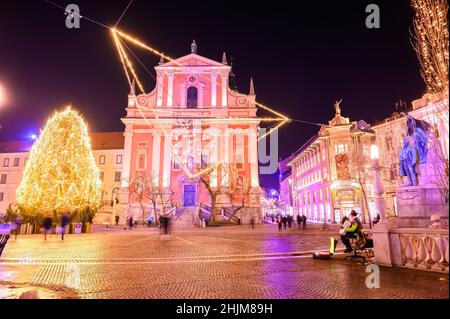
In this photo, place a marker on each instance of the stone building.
(331, 173)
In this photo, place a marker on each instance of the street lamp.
(378, 188)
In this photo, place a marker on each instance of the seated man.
(352, 231)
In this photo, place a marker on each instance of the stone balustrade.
(423, 248)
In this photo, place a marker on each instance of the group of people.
(164, 223)
(46, 225)
(285, 222)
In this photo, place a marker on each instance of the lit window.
(102, 159)
(16, 161)
(102, 175)
(3, 179)
(117, 176)
(204, 160)
(119, 159)
(6, 162)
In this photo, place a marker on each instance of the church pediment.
(192, 60)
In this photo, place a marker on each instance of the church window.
(192, 97)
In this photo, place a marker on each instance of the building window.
(102, 159)
(16, 161)
(341, 148)
(204, 160)
(118, 159)
(239, 154)
(3, 179)
(192, 97)
(6, 162)
(1, 196)
(141, 161)
(117, 176)
(102, 175)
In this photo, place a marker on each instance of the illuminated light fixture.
(33, 137)
(374, 152)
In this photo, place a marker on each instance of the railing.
(206, 211)
(424, 248)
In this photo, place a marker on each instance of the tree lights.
(430, 41)
(61, 174)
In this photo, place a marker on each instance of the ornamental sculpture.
(414, 150)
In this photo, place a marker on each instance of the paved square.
(216, 262)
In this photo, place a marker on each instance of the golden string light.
(430, 40)
(61, 173)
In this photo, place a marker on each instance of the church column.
(214, 155)
(159, 89)
(226, 157)
(170, 90)
(213, 89)
(224, 89)
(197, 143)
(156, 152)
(253, 158)
(167, 159)
(126, 166)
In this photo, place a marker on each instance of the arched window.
(192, 97)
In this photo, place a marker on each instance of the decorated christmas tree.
(60, 174)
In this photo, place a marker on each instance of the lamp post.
(378, 188)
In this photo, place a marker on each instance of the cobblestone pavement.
(220, 262)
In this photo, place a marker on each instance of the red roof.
(99, 141)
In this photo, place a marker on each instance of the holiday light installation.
(430, 40)
(61, 174)
(118, 36)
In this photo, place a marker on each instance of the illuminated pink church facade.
(192, 125)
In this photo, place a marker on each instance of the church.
(190, 145)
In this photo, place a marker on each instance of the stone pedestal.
(382, 243)
(416, 204)
(222, 202)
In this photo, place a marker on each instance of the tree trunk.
(365, 204)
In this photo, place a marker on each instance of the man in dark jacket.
(64, 222)
(47, 223)
(299, 220)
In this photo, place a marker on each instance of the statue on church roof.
(337, 107)
(193, 47)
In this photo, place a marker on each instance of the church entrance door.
(189, 195)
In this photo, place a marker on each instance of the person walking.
(64, 222)
(304, 222)
(289, 221)
(47, 223)
(130, 223)
(284, 219)
(299, 221)
(15, 226)
(252, 222)
(117, 219)
(279, 222)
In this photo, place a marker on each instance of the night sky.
(301, 58)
